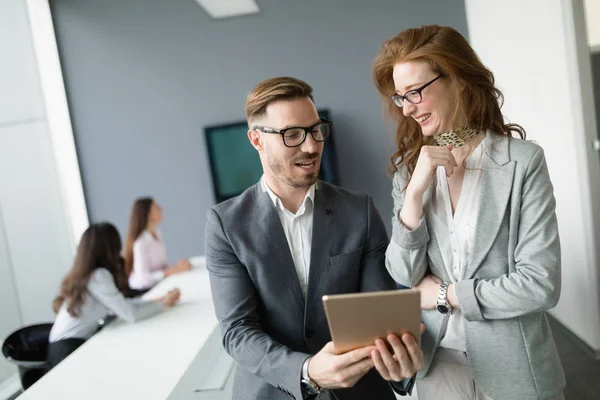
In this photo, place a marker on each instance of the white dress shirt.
(101, 298)
(456, 233)
(298, 230)
(149, 261)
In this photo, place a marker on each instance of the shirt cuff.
(404, 387)
(406, 238)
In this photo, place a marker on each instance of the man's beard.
(284, 171)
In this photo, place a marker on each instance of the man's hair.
(271, 90)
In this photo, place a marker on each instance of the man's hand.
(332, 371)
(404, 363)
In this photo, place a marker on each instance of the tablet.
(357, 319)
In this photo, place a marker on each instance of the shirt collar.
(310, 195)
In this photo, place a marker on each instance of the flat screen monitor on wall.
(235, 165)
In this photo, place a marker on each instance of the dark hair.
(138, 222)
(274, 89)
(449, 54)
(99, 247)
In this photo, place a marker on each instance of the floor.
(583, 372)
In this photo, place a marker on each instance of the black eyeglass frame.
(398, 99)
(307, 130)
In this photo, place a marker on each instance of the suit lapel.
(323, 217)
(496, 186)
(270, 225)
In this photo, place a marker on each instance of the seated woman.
(145, 252)
(92, 289)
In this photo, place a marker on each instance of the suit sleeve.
(374, 276)
(235, 304)
(535, 285)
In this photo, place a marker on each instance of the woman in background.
(145, 252)
(92, 289)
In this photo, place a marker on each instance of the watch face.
(310, 389)
(442, 308)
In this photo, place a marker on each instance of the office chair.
(27, 348)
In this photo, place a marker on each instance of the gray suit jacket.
(267, 326)
(512, 277)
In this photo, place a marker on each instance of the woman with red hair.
(474, 225)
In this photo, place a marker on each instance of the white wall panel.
(20, 96)
(34, 219)
(538, 52)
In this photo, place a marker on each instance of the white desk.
(173, 352)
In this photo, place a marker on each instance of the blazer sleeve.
(535, 284)
(235, 302)
(406, 254)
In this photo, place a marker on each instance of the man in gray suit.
(276, 249)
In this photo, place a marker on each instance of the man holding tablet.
(276, 249)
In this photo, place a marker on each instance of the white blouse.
(456, 233)
(149, 261)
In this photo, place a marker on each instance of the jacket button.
(310, 333)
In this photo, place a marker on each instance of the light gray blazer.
(512, 277)
(267, 325)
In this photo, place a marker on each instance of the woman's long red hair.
(448, 53)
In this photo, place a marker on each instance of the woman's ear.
(255, 139)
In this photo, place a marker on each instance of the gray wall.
(144, 77)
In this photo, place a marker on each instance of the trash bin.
(27, 348)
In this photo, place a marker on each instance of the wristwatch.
(308, 386)
(442, 304)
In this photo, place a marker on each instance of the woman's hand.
(171, 298)
(429, 159)
(184, 265)
(430, 291)
(403, 362)
(181, 266)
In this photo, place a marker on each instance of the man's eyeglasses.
(295, 136)
(412, 96)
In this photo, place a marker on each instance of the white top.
(149, 261)
(298, 230)
(145, 360)
(103, 297)
(456, 233)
